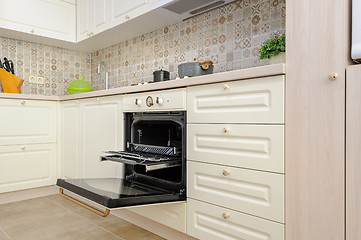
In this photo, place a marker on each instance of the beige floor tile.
(54, 217)
(3, 235)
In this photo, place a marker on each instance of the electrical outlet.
(40, 80)
(32, 79)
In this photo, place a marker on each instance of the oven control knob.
(159, 100)
(149, 101)
(138, 102)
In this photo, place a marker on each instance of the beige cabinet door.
(210, 222)
(92, 18)
(250, 146)
(253, 192)
(248, 101)
(70, 135)
(48, 18)
(102, 130)
(27, 121)
(27, 166)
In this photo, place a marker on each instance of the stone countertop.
(242, 74)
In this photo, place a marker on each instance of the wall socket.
(37, 80)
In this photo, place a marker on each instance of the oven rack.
(149, 161)
(169, 151)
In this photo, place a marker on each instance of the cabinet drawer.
(27, 121)
(249, 146)
(249, 101)
(254, 192)
(27, 166)
(174, 99)
(172, 215)
(207, 221)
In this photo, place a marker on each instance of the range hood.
(184, 9)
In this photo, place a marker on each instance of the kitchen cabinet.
(89, 127)
(240, 145)
(28, 144)
(47, 18)
(122, 11)
(235, 159)
(211, 222)
(27, 166)
(92, 17)
(27, 121)
(246, 101)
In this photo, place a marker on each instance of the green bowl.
(79, 86)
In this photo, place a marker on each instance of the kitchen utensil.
(79, 86)
(195, 68)
(160, 75)
(10, 83)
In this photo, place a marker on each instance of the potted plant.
(272, 47)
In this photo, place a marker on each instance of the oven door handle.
(91, 208)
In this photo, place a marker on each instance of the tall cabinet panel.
(316, 48)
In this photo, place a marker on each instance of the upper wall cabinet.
(122, 11)
(92, 18)
(47, 18)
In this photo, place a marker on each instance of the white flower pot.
(280, 58)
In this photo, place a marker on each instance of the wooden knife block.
(10, 82)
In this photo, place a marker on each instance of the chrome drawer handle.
(225, 173)
(225, 215)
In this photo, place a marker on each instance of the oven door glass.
(117, 192)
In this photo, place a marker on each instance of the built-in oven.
(154, 158)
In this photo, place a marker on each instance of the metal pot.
(195, 68)
(160, 75)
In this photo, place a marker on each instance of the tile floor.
(53, 217)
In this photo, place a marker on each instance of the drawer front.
(248, 101)
(254, 192)
(27, 121)
(249, 146)
(174, 99)
(172, 215)
(207, 221)
(27, 166)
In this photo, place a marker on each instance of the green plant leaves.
(272, 46)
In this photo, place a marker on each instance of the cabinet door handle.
(32, 30)
(127, 16)
(225, 215)
(23, 102)
(226, 130)
(23, 148)
(225, 172)
(225, 86)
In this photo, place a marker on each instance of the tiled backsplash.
(58, 66)
(230, 36)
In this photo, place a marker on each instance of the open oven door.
(153, 173)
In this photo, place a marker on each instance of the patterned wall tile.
(230, 36)
(58, 66)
